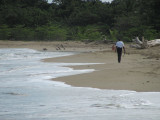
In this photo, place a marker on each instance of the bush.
(5, 32)
(55, 32)
(113, 34)
(140, 31)
(40, 33)
(20, 32)
(150, 34)
(90, 33)
(50, 32)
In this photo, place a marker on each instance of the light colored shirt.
(120, 44)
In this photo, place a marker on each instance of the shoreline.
(138, 71)
(132, 74)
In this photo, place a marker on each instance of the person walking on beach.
(119, 47)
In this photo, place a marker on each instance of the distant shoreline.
(139, 70)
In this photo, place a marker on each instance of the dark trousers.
(119, 53)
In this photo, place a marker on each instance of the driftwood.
(154, 42)
(144, 43)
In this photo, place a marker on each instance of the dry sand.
(138, 71)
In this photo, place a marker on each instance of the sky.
(101, 0)
(107, 0)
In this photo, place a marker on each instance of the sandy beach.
(138, 71)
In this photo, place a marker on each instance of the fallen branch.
(144, 43)
(153, 42)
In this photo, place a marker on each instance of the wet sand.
(135, 72)
(138, 71)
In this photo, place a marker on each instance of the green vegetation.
(79, 19)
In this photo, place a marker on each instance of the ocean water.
(27, 93)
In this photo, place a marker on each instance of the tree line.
(79, 19)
